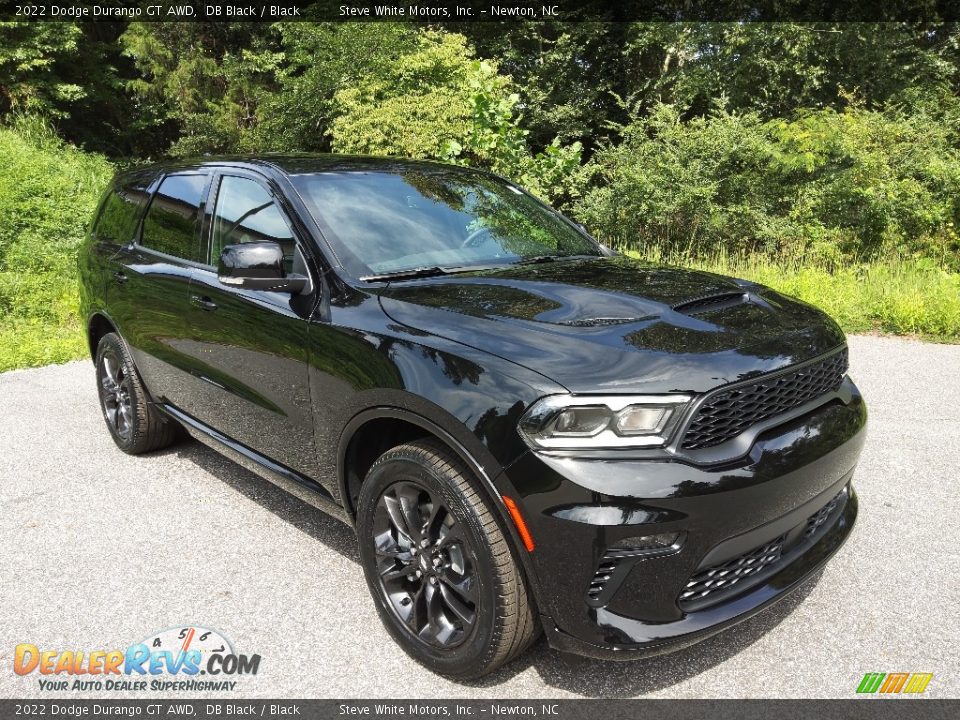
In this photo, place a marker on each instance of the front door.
(249, 348)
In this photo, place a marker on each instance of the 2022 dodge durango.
(526, 430)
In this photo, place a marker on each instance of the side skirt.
(293, 482)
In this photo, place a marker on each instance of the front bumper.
(748, 533)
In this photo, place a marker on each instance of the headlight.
(566, 422)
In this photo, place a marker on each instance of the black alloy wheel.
(426, 565)
(443, 573)
(115, 394)
(135, 425)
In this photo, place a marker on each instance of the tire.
(423, 482)
(134, 424)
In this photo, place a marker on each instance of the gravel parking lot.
(100, 550)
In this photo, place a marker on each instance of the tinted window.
(382, 222)
(118, 216)
(171, 223)
(246, 213)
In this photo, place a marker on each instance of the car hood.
(616, 325)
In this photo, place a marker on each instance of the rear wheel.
(134, 424)
(444, 579)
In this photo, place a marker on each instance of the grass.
(48, 191)
(893, 296)
(31, 343)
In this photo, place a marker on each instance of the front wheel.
(444, 579)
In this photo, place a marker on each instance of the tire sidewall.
(467, 656)
(112, 342)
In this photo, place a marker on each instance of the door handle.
(119, 278)
(204, 302)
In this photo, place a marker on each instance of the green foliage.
(314, 61)
(419, 107)
(48, 192)
(199, 84)
(581, 81)
(827, 186)
(826, 153)
(777, 69)
(439, 102)
(69, 73)
(246, 87)
(902, 297)
(29, 56)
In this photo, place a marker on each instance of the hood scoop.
(602, 321)
(717, 301)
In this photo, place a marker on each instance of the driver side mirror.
(258, 266)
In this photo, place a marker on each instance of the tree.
(438, 101)
(199, 84)
(569, 76)
(828, 186)
(315, 61)
(30, 56)
(778, 68)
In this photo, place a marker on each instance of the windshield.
(379, 223)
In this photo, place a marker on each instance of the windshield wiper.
(410, 274)
(435, 270)
(424, 272)
(537, 259)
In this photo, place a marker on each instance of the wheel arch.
(393, 425)
(97, 326)
(370, 423)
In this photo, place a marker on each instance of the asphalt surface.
(100, 550)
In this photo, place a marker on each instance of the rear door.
(116, 228)
(149, 295)
(248, 349)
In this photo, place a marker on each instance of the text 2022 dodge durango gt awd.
(526, 430)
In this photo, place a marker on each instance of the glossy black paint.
(309, 387)
(794, 469)
(248, 362)
(616, 317)
(256, 266)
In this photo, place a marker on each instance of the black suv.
(526, 430)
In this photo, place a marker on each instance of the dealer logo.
(181, 652)
(894, 683)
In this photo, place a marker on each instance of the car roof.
(305, 163)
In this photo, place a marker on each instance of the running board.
(300, 486)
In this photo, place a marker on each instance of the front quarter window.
(246, 212)
(389, 222)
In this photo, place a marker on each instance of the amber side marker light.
(520, 523)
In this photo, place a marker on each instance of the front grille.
(727, 413)
(725, 576)
(718, 581)
(820, 517)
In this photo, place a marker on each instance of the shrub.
(825, 186)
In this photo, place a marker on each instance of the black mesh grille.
(716, 582)
(727, 413)
(820, 517)
(725, 576)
